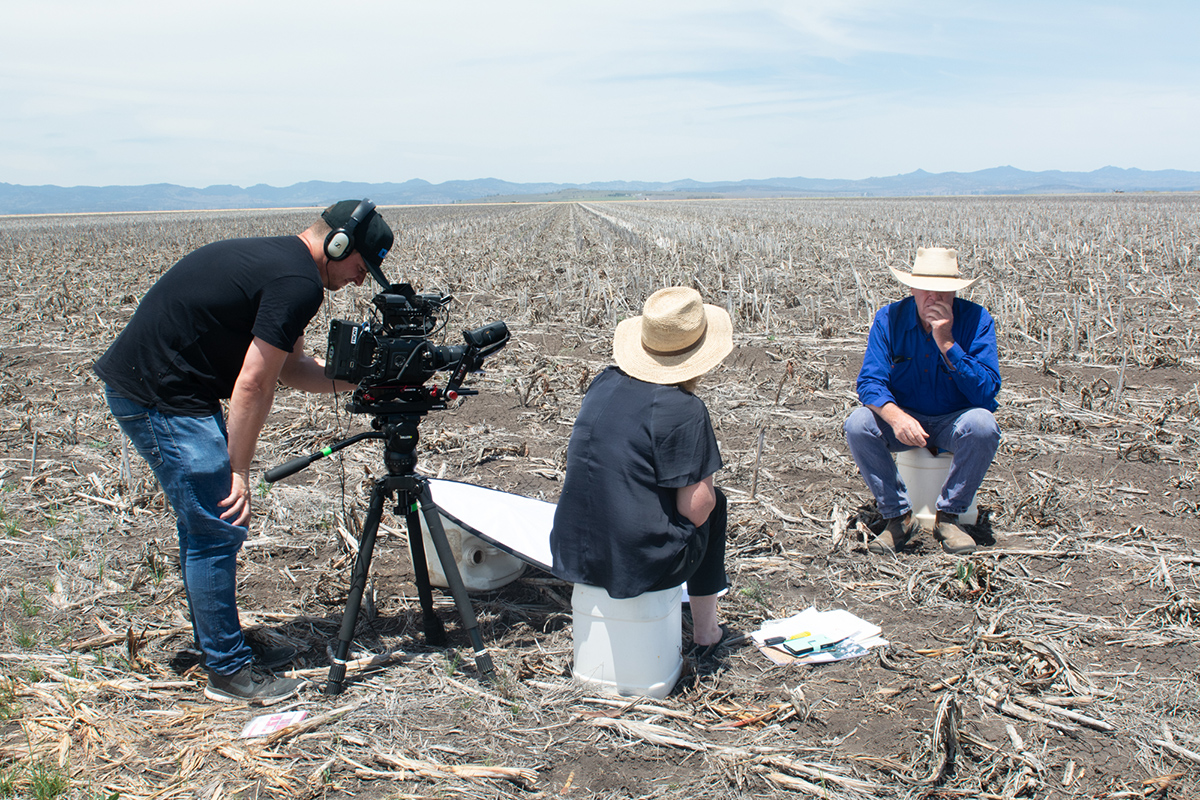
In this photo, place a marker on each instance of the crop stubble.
(1058, 661)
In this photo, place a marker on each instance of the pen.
(774, 640)
(818, 648)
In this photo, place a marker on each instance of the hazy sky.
(281, 91)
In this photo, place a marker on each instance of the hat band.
(699, 341)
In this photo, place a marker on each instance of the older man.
(929, 378)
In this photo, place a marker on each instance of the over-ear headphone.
(340, 242)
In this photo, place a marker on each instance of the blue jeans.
(972, 435)
(190, 458)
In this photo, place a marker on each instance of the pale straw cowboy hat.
(935, 270)
(677, 338)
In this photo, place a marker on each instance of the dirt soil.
(1059, 660)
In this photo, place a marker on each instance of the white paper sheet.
(859, 635)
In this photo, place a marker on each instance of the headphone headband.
(340, 242)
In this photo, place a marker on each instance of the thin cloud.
(279, 92)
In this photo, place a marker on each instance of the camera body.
(391, 355)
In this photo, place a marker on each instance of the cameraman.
(227, 322)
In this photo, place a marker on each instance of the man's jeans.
(971, 435)
(190, 457)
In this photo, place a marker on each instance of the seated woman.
(638, 511)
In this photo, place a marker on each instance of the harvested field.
(1060, 660)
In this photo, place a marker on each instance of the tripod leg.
(358, 583)
(483, 661)
(435, 632)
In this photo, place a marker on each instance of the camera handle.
(414, 499)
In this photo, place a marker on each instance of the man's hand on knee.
(906, 429)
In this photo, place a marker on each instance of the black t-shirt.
(183, 349)
(633, 444)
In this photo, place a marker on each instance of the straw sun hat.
(935, 270)
(677, 338)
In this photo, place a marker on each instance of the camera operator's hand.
(237, 504)
(249, 405)
(307, 373)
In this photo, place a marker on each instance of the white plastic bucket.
(924, 475)
(627, 647)
(482, 566)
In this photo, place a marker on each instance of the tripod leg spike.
(437, 533)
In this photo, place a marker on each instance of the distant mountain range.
(16, 199)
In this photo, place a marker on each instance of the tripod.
(396, 424)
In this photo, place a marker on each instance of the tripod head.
(390, 401)
(396, 424)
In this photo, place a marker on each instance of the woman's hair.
(690, 384)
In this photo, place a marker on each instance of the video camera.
(391, 356)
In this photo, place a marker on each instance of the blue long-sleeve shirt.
(911, 371)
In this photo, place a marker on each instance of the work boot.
(895, 534)
(954, 539)
(251, 684)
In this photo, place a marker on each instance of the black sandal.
(704, 652)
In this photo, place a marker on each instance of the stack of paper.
(817, 637)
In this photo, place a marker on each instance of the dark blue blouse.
(633, 445)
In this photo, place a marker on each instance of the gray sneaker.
(251, 684)
(265, 655)
(273, 656)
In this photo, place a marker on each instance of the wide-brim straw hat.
(935, 270)
(678, 337)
